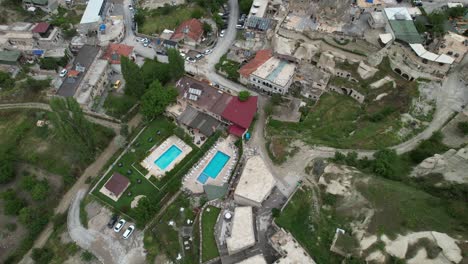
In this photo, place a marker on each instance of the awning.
(430, 56)
(236, 130)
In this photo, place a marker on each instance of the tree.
(207, 27)
(176, 64)
(197, 13)
(458, 11)
(73, 127)
(420, 26)
(12, 203)
(153, 70)
(438, 19)
(156, 99)
(87, 256)
(244, 96)
(40, 191)
(144, 211)
(218, 20)
(244, 6)
(135, 84)
(6, 82)
(34, 219)
(36, 85)
(463, 126)
(7, 170)
(387, 164)
(42, 255)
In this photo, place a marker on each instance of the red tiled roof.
(117, 184)
(192, 28)
(261, 57)
(114, 51)
(236, 130)
(241, 113)
(41, 27)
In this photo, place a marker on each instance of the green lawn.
(336, 120)
(164, 238)
(117, 105)
(402, 208)
(140, 147)
(209, 248)
(165, 18)
(314, 233)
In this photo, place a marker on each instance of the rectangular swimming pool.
(168, 157)
(213, 168)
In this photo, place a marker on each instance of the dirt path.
(91, 171)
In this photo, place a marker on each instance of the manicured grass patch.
(209, 247)
(163, 238)
(165, 18)
(402, 208)
(118, 105)
(135, 155)
(314, 232)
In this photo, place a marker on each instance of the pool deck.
(157, 151)
(226, 146)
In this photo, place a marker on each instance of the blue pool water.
(168, 157)
(214, 167)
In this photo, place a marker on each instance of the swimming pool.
(168, 157)
(214, 167)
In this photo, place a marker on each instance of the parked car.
(112, 221)
(128, 232)
(145, 44)
(190, 59)
(182, 55)
(130, 7)
(239, 26)
(199, 56)
(221, 34)
(119, 225)
(63, 73)
(208, 51)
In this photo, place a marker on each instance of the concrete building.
(94, 83)
(17, 36)
(258, 8)
(114, 31)
(8, 57)
(242, 233)
(292, 252)
(370, 5)
(114, 52)
(44, 5)
(92, 16)
(454, 45)
(47, 36)
(115, 186)
(255, 183)
(260, 58)
(313, 81)
(257, 259)
(377, 20)
(274, 76)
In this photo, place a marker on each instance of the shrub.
(463, 127)
(244, 96)
(87, 256)
(428, 148)
(42, 255)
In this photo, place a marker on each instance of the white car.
(130, 7)
(221, 34)
(182, 55)
(63, 73)
(199, 56)
(128, 232)
(145, 44)
(119, 225)
(208, 51)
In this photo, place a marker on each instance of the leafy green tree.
(428, 148)
(28, 182)
(463, 127)
(176, 64)
(36, 85)
(420, 26)
(135, 84)
(458, 11)
(156, 99)
(6, 82)
(153, 70)
(197, 13)
(7, 169)
(40, 190)
(218, 20)
(34, 219)
(12, 203)
(73, 127)
(244, 96)
(42, 255)
(438, 20)
(207, 27)
(144, 211)
(387, 164)
(87, 256)
(244, 6)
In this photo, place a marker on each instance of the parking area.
(106, 244)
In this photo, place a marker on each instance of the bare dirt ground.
(153, 4)
(452, 136)
(107, 245)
